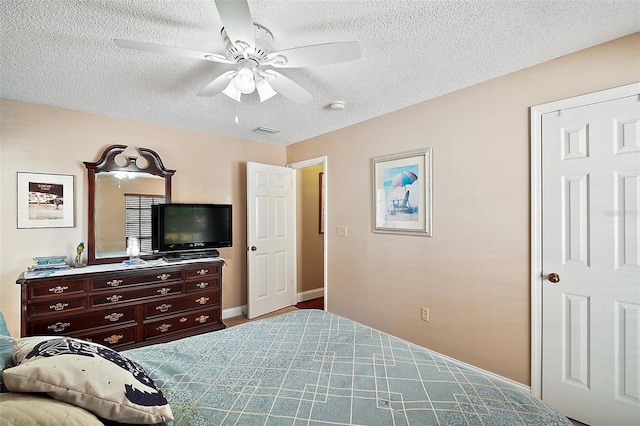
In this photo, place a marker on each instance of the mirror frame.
(107, 163)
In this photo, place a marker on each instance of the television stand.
(178, 256)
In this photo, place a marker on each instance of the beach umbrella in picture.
(403, 179)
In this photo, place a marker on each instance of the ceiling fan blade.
(265, 91)
(288, 88)
(237, 21)
(316, 54)
(217, 85)
(171, 50)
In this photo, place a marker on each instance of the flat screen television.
(189, 228)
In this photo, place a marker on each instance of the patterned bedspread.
(310, 367)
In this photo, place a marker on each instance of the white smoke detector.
(337, 105)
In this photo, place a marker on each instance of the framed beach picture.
(45, 200)
(402, 193)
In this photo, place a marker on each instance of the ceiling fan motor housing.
(263, 45)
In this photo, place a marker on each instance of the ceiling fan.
(249, 48)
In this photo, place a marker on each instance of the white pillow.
(26, 409)
(88, 375)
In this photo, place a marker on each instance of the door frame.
(536, 212)
(314, 162)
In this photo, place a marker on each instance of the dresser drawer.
(57, 305)
(56, 288)
(208, 283)
(116, 280)
(185, 321)
(193, 301)
(203, 271)
(75, 323)
(117, 296)
(113, 337)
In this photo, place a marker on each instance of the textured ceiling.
(61, 53)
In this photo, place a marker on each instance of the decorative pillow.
(6, 350)
(88, 375)
(27, 409)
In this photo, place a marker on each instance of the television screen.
(180, 227)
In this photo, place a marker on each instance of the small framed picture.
(402, 193)
(45, 200)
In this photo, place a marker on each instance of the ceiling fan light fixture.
(244, 81)
(232, 92)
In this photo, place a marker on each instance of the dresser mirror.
(121, 190)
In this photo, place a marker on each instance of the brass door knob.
(553, 277)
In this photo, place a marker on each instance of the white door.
(591, 240)
(270, 238)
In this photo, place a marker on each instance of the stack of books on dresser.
(48, 265)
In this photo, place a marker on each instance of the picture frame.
(45, 200)
(402, 187)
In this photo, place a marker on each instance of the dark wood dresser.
(125, 307)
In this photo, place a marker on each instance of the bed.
(306, 367)
(311, 367)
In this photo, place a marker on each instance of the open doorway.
(311, 246)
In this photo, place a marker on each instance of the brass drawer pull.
(202, 300)
(163, 308)
(113, 339)
(58, 306)
(202, 319)
(59, 326)
(203, 284)
(114, 317)
(114, 283)
(59, 289)
(202, 271)
(183, 319)
(163, 290)
(163, 327)
(163, 277)
(114, 298)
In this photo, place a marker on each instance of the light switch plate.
(341, 231)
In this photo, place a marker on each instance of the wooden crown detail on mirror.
(107, 163)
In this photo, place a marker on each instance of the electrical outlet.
(424, 312)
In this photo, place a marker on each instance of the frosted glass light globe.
(244, 82)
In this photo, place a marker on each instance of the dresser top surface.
(113, 267)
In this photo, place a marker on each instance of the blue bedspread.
(311, 367)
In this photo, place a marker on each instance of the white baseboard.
(234, 312)
(310, 294)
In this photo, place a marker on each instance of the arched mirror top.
(108, 163)
(110, 180)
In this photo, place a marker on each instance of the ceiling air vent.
(266, 131)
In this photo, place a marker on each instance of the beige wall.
(36, 138)
(473, 274)
(310, 243)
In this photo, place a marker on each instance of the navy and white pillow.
(88, 375)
